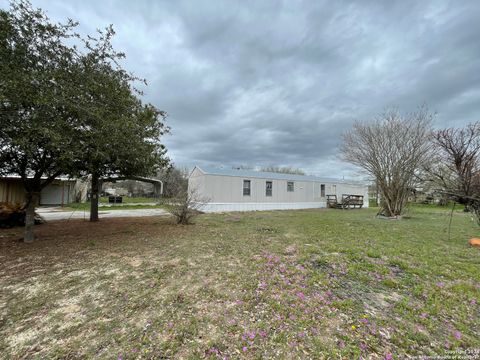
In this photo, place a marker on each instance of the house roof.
(16, 176)
(207, 170)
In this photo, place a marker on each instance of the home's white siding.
(225, 207)
(229, 189)
(225, 193)
(196, 182)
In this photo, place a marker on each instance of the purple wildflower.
(388, 357)
(419, 328)
(301, 295)
(378, 276)
(212, 350)
(457, 335)
(244, 349)
(440, 284)
(262, 285)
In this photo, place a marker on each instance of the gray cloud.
(248, 82)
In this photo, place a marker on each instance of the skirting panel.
(226, 207)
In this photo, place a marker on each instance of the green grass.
(105, 207)
(287, 284)
(127, 200)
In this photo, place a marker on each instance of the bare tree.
(185, 205)
(391, 148)
(283, 170)
(174, 180)
(455, 167)
(243, 167)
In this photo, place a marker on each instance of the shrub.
(14, 215)
(185, 206)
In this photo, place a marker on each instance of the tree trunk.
(94, 198)
(32, 201)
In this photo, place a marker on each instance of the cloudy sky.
(272, 82)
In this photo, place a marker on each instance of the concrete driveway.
(57, 213)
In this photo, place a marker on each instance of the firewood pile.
(14, 215)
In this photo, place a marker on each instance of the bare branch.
(186, 205)
(391, 148)
(455, 167)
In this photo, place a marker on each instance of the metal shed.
(245, 190)
(61, 191)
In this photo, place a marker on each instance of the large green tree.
(67, 107)
(37, 129)
(120, 135)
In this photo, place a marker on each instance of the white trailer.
(246, 190)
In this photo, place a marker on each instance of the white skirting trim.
(225, 207)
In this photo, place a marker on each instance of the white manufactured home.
(245, 190)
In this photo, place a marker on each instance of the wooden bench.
(349, 201)
(352, 201)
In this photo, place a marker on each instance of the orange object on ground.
(474, 242)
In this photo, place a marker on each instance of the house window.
(290, 186)
(322, 190)
(246, 187)
(268, 188)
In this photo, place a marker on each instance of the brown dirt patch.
(64, 241)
